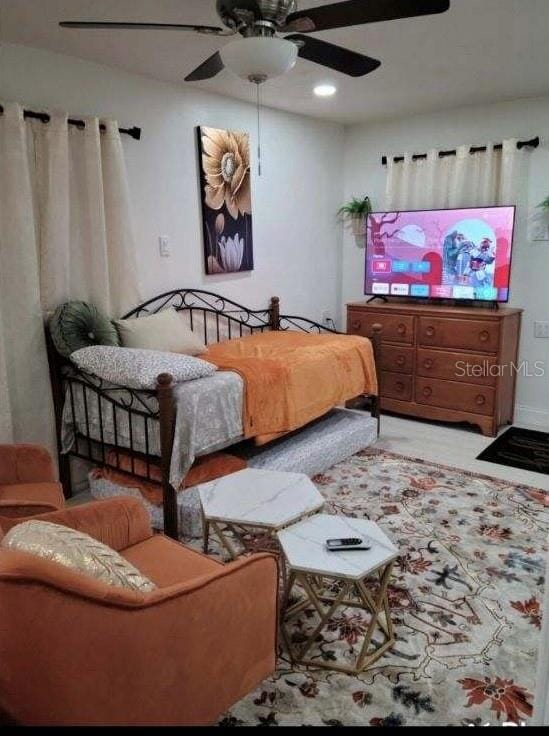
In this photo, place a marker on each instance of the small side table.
(255, 500)
(333, 580)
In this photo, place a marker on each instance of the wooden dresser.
(445, 363)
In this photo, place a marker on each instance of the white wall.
(297, 241)
(309, 167)
(364, 174)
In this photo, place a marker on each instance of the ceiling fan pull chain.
(258, 80)
(258, 85)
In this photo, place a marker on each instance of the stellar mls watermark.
(489, 369)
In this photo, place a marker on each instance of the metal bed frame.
(219, 318)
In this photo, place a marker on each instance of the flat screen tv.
(462, 254)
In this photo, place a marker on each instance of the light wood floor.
(449, 446)
(436, 443)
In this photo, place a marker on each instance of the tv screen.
(440, 254)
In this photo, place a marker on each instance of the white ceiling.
(480, 51)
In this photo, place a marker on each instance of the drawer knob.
(481, 400)
(430, 332)
(399, 387)
(428, 363)
(401, 329)
(484, 336)
(356, 325)
(401, 361)
(427, 392)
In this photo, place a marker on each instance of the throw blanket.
(292, 378)
(205, 469)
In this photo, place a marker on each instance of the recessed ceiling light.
(325, 90)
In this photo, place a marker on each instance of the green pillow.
(77, 325)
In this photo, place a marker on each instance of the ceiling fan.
(261, 54)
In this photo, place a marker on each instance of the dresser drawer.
(396, 328)
(463, 367)
(452, 395)
(466, 334)
(396, 359)
(396, 386)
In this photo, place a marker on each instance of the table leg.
(325, 616)
(376, 605)
(283, 575)
(224, 541)
(379, 604)
(206, 534)
(386, 607)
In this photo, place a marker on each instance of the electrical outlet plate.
(164, 243)
(539, 232)
(541, 329)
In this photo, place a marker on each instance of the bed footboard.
(377, 330)
(166, 402)
(112, 426)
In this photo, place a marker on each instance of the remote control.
(348, 545)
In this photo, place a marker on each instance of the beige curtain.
(6, 427)
(65, 233)
(466, 180)
(87, 248)
(26, 411)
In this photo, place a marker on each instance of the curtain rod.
(534, 143)
(134, 132)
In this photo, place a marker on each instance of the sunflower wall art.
(226, 200)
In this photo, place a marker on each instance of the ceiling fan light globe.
(325, 90)
(262, 57)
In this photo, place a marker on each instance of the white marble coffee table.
(253, 500)
(333, 580)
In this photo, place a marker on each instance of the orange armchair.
(76, 651)
(27, 481)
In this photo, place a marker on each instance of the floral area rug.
(465, 596)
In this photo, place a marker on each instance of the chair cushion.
(139, 368)
(25, 464)
(167, 562)
(77, 551)
(165, 331)
(77, 325)
(50, 494)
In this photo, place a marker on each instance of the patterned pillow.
(77, 551)
(139, 368)
(77, 325)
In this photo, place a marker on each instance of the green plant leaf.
(356, 208)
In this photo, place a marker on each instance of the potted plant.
(356, 211)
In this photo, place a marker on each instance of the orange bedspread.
(292, 378)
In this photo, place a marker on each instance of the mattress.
(189, 509)
(315, 449)
(208, 418)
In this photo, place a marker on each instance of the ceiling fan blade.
(358, 12)
(334, 57)
(95, 25)
(209, 69)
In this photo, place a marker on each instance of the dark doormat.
(520, 448)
